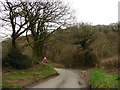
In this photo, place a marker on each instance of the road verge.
(100, 78)
(12, 78)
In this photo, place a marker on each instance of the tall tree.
(85, 37)
(52, 15)
(13, 13)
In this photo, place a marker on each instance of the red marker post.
(45, 59)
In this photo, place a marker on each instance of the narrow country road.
(66, 79)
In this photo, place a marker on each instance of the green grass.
(22, 78)
(102, 79)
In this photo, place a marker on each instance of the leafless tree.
(41, 18)
(52, 15)
(13, 15)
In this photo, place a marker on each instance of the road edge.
(41, 80)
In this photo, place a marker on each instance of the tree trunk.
(38, 51)
(13, 43)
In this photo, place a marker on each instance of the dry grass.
(111, 64)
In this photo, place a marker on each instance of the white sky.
(95, 11)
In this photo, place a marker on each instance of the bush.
(89, 58)
(4, 62)
(111, 64)
(77, 58)
(86, 58)
(16, 59)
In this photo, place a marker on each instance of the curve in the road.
(66, 79)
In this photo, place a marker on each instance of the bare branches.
(12, 14)
(37, 17)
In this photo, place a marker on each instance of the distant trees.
(106, 42)
(73, 47)
(85, 37)
(82, 44)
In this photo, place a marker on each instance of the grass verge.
(12, 78)
(100, 78)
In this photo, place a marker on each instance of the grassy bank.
(21, 78)
(100, 78)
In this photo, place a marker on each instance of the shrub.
(76, 58)
(17, 60)
(87, 58)
(4, 62)
(111, 64)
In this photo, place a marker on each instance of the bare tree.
(41, 18)
(14, 14)
(52, 15)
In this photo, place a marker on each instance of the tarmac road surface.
(66, 79)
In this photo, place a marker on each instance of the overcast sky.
(95, 11)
